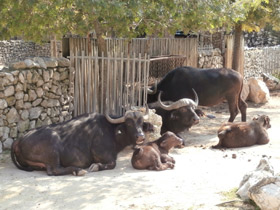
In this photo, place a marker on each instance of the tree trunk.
(101, 43)
(101, 46)
(237, 49)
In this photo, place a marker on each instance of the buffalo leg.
(101, 166)
(159, 166)
(233, 108)
(166, 158)
(58, 170)
(243, 107)
(218, 146)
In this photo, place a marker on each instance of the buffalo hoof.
(79, 172)
(218, 146)
(180, 146)
(93, 168)
(171, 165)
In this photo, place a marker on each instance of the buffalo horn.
(146, 116)
(114, 121)
(177, 104)
(152, 92)
(196, 100)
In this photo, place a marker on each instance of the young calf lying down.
(154, 155)
(243, 134)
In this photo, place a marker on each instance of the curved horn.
(146, 116)
(196, 100)
(177, 104)
(114, 121)
(152, 92)
(162, 105)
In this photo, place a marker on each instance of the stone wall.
(253, 59)
(33, 93)
(16, 50)
(262, 38)
(210, 58)
(261, 60)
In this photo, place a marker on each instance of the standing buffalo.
(176, 116)
(212, 87)
(243, 134)
(90, 140)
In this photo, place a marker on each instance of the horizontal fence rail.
(109, 84)
(187, 47)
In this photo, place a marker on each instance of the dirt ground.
(203, 177)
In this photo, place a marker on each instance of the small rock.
(233, 156)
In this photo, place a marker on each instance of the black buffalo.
(90, 140)
(212, 87)
(176, 116)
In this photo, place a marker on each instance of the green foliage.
(38, 19)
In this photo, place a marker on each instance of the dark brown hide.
(211, 85)
(89, 140)
(154, 155)
(243, 134)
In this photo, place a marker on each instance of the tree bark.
(101, 43)
(101, 46)
(237, 48)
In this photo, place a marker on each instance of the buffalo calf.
(233, 135)
(154, 155)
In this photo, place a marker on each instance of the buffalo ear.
(266, 122)
(119, 130)
(256, 117)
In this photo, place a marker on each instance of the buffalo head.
(131, 126)
(178, 115)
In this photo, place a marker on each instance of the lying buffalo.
(176, 116)
(212, 87)
(90, 140)
(243, 134)
(154, 155)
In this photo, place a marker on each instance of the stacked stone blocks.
(33, 93)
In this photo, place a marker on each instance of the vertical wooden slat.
(76, 90)
(115, 86)
(121, 85)
(133, 80)
(139, 80)
(88, 75)
(147, 76)
(96, 84)
(108, 107)
(145, 81)
(102, 84)
(82, 79)
(127, 82)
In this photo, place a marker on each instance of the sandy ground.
(199, 180)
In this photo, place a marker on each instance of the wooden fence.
(271, 60)
(151, 46)
(122, 77)
(109, 84)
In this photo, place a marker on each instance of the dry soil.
(203, 178)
